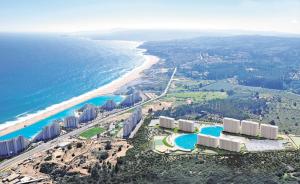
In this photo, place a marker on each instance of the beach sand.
(104, 90)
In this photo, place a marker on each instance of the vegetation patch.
(197, 96)
(166, 142)
(91, 132)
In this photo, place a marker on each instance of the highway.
(6, 164)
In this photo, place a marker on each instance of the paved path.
(51, 144)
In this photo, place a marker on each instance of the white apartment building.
(231, 125)
(229, 144)
(206, 140)
(166, 122)
(269, 131)
(71, 122)
(186, 125)
(249, 128)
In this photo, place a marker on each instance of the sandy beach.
(104, 90)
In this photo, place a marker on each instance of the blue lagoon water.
(39, 71)
(212, 130)
(33, 129)
(188, 141)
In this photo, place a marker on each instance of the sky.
(103, 15)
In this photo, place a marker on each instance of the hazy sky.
(85, 15)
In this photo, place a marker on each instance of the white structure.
(71, 122)
(13, 146)
(186, 125)
(269, 131)
(206, 140)
(166, 122)
(229, 144)
(49, 132)
(109, 105)
(250, 128)
(89, 113)
(231, 125)
(131, 122)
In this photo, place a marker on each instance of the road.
(51, 144)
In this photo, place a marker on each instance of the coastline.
(103, 90)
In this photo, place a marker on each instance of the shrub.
(103, 155)
(69, 146)
(79, 145)
(108, 145)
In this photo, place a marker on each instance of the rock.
(290, 168)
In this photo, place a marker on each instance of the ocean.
(38, 71)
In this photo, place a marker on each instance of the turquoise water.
(188, 141)
(33, 129)
(38, 71)
(212, 130)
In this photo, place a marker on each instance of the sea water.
(38, 71)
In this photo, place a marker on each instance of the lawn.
(91, 132)
(166, 142)
(197, 96)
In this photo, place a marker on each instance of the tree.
(103, 155)
(94, 173)
(272, 122)
(108, 145)
(230, 92)
(69, 146)
(79, 145)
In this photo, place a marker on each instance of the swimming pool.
(212, 130)
(188, 141)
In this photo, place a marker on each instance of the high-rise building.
(109, 105)
(49, 132)
(131, 99)
(269, 131)
(166, 122)
(249, 128)
(231, 125)
(13, 146)
(87, 113)
(186, 125)
(207, 140)
(230, 144)
(131, 122)
(71, 122)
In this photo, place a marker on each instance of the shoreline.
(106, 89)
